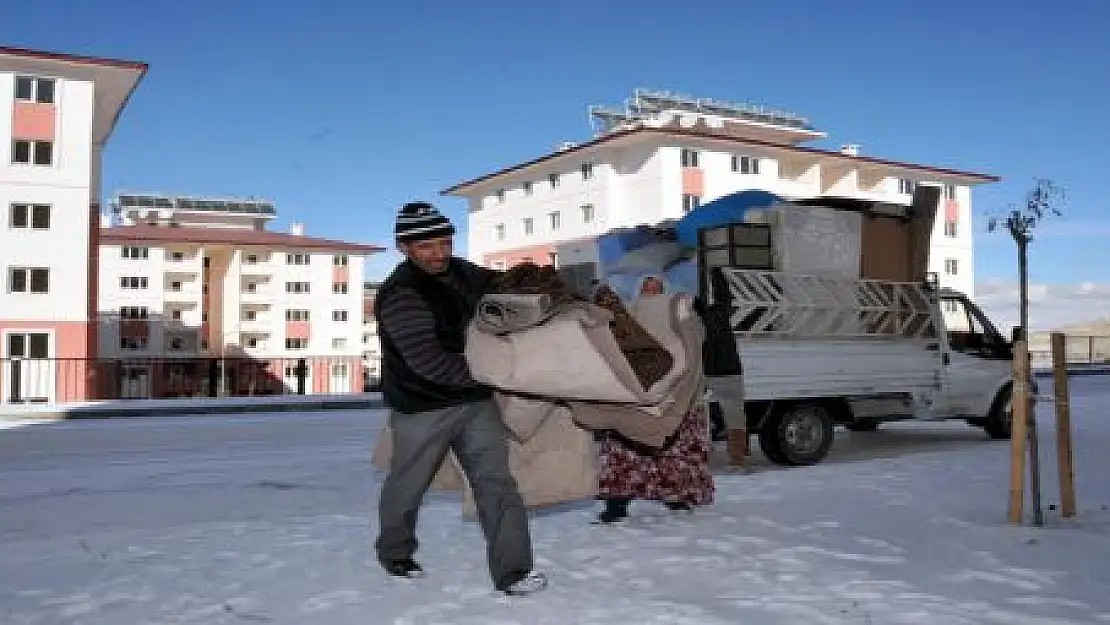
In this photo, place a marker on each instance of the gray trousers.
(479, 439)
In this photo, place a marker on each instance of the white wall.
(65, 185)
(641, 183)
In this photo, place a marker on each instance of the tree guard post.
(1064, 456)
(1019, 405)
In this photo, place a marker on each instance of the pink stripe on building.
(951, 211)
(298, 330)
(33, 121)
(693, 181)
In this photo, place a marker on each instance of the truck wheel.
(797, 434)
(997, 423)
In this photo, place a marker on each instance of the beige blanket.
(569, 360)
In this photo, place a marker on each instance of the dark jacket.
(423, 366)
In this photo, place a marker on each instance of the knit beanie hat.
(421, 220)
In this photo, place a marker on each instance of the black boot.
(616, 509)
(678, 506)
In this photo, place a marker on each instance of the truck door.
(977, 358)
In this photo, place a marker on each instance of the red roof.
(701, 131)
(228, 236)
(72, 58)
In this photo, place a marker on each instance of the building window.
(296, 344)
(338, 343)
(528, 188)
(297, 287)
(133, 342)
(134, 282)
(339, 288)
(177, 344)
(950, 229)
(177, 256)
(29, 280)
(554, 180)
(297, 259)
(499, 264)
(339, 260)
(206, 262)
(745, 165)
(204, 317)
(587, 171)
(951, 266)
(134, 312)
(689, 157)
(587, 213)
(252, 342)
(30, 216)
(26, 152)
(296, 315)
(250, 314)
(906, 186)
(175, 315)
(528, 225)
(499, 232)
(500, 195)
(175, 286)
(339, 316)
(690, 202)
(553, 259)
(951, 306)
(949, 191)
(32, 89)
(251, 259)
(554, 219)
(134, 253)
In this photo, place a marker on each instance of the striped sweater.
(406, 320)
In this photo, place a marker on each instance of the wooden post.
(1063, 424)
(1019, 405)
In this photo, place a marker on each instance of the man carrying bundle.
(422, 311)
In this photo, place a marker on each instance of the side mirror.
(1016, 334)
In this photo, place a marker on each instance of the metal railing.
(1081, 349)
(61, 380)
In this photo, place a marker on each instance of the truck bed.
(776, 368)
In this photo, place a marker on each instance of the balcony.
(178, 292)
(256, 293)
(260, 324)
(256, 264)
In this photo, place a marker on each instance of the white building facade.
(57, 112)
(655, 166)
(188, 279)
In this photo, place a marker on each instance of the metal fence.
(49, 380)
(1081, 349)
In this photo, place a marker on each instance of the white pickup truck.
(820, 351)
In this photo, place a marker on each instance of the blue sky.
(341, 110)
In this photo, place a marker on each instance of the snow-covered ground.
(269, 519)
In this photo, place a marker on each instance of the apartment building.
(371, 344)
(186, 279)
(664, 155)
(57, 113)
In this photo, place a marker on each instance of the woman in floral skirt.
(677, 474)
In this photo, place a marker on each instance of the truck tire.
(797, 434)
(998, 421)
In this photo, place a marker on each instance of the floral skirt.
(679, 472)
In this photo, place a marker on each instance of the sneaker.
(404, 568)
(527, 584)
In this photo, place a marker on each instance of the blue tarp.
(723, 210)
